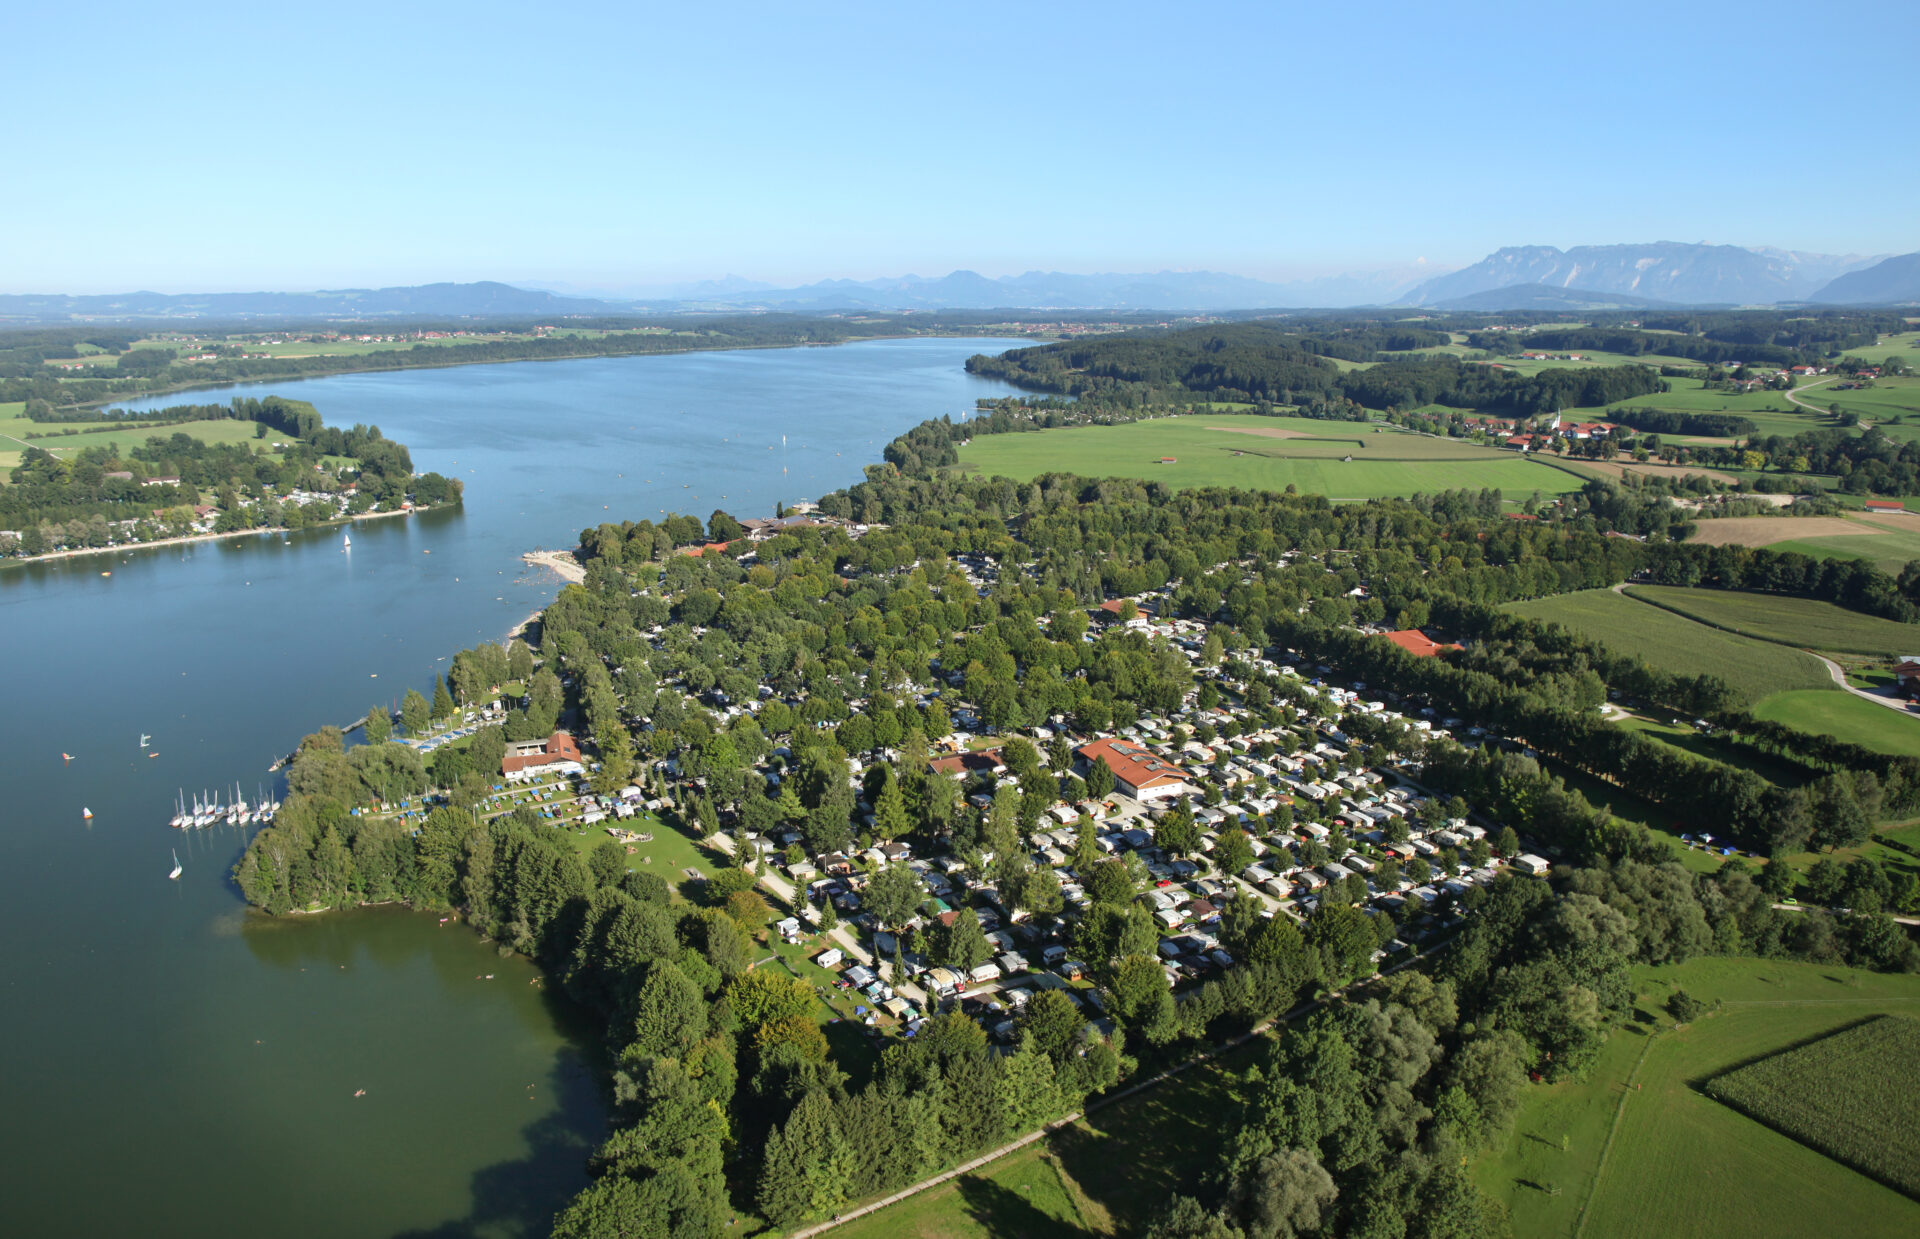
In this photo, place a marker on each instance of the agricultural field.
(1853, 1095)
(1888, 543)
(1800, 622)
(1267, 453)
(1887, 398)
(1906, 346)
(1636, 1149)
(1675, 644)
(17, 431)
(1845, 717)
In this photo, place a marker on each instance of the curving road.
(1839, 675)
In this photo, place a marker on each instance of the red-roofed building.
(1885, 505)
(527, 758)
(1413, 641)
(959, 765)
(1139, 772)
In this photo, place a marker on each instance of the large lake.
(176, 1065)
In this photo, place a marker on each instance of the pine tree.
(806, 1169)
(414, 712)
(442, 700)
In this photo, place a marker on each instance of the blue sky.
(200, 147)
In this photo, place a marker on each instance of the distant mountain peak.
(1672, 272)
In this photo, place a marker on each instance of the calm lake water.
(175, 1065)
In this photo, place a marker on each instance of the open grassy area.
(1646, 1153)
(1025, 1194)
(1678, 645)
(1889, 552)
(1788, 621)
(1887, 398)
(1906, 346)
(1268, 454)
(1845, 717)
(21, 433)
(1853, 1095)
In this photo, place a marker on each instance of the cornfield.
(1853, 1095)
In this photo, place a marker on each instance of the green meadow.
(1845, 717)
(1636, 1148)
(1789, 621)
(1675, 644)
(1232, 450)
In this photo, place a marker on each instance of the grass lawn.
(1244, 451)
(1845, 717)
(1788, 621)
(1026, 1194)
(1678, 645)
(1662, 1158)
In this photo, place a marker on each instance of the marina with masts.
(207, 809)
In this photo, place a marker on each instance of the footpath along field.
(1268, 453)
(1647, 1153)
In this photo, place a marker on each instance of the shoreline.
(561, 564)
(51, 556)
(210, 384)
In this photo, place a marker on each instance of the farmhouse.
(1884, 505)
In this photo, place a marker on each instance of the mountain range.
(1660, 273)
(1529, 277)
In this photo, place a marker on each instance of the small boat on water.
(176, 865)
(346, 541)
(86, 814)
(66, 757)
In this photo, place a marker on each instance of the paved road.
(841, 935)
(1811, 408)
(1840, 677)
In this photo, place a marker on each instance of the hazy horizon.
(220, 147)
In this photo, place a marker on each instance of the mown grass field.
(1675, 644)
(19, 434)
(1889, 552)
(1853, 1095)
(1789, 621)
(1845, 717)
(1648, 1154)
(1217, 450)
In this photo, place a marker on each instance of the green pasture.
(227, 430)
(1889, 551)
(1636, 1149)
(1887, 398)
(1800, 622)
(1208, 452)
(1845, 717)
(1905, 346)
(1679, 646)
